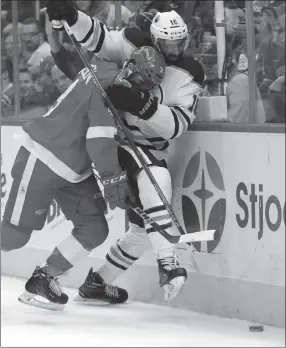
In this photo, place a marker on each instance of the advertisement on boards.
(56, 226)
(234, 183)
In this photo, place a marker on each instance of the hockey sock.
(154, 207)
(124, 253)
(67, 254)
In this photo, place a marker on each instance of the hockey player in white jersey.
(153, 117)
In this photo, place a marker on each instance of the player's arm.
(103, 151)
(89, 32)
(172, 121)
(100, 137)
(63, 59)
(155, 119)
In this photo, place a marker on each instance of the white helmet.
(168, 26)
(169, 34)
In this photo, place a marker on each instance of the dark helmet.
(150, 64)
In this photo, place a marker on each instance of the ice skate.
(172, 277)
(43, 291)
(95, 290)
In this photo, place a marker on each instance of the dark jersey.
(76, 131)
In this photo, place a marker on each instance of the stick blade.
(201, 236)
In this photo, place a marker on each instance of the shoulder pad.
(193, 67)
(137, 37)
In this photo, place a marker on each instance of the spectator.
(207, 55)
(6, 91)
(158, 5)
(141, 20)
(196, 34)
(5, 80)
(271, 61)
(44, 82)
(8, 29)
(26, 9)
(35, 46)
(205, 11)
(26, 85)
(32, 92)
(238, 94)
(61, 81)
(98, 9)
(125, 16)
(237, 84)
(9, 52)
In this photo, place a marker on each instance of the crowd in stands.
(41, 81)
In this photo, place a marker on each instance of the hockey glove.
(134, 100)
(116, 190)
(62, 10)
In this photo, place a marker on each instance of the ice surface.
(131, 324)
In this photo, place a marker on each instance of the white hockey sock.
(124, 253)
(154, 207)
(67, 254)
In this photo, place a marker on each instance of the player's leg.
(83, 204)
(135, 242)
(130, 247)
(26, 208)
(31, 194)
(172, 276)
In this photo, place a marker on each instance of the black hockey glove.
(117, 191)
(134, 100)
(62, 10)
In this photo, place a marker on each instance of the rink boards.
(229, 180)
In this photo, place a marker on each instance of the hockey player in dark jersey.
(54, 162)
(171, 112)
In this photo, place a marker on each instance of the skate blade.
(39, 301)
(174, 288)
(90, 301)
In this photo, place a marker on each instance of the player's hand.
(117, 191)
(61, 10)
(134, 100)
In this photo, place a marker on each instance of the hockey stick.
(200, 236)
(121, 127)
(186, 238)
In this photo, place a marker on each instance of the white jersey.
(177, 95)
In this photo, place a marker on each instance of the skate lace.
(55, 287)
(169, 263)
(111, 291)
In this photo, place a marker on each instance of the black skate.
(43, 291)
(172, 277)
(95, 290)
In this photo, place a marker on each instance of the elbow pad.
(133, 100)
